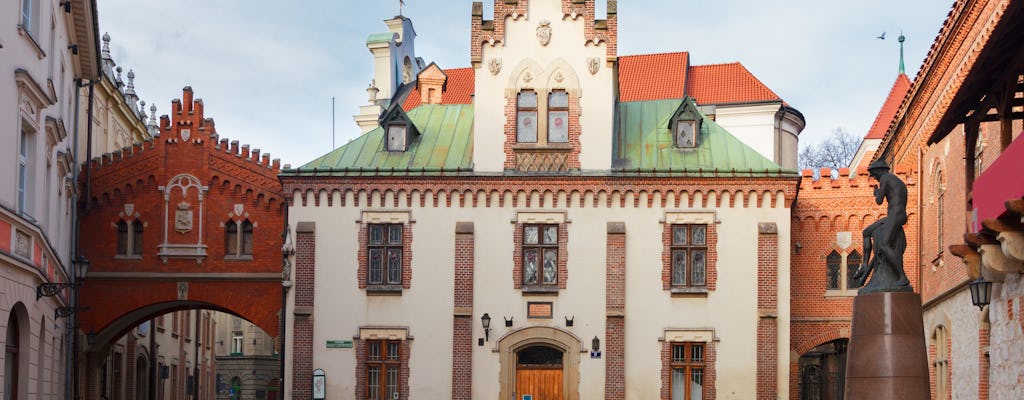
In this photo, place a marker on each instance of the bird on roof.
(882, 36)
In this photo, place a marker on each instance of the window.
(12, 361)
(839, 271)
(940, 343)
(689, 255)
(129, 238)
(558, 117)
(526, 117)
(384, 253)
(540, 256)
(236, 343)
(383, 368)
(26, 158)
(397, 137)
(685, 134)
(29, 15)
(238, 239)
(687, 366)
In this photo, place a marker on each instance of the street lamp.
(981, 292)
(50, 289)
(485, 320)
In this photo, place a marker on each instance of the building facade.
(46, 48)
(248, 360)
(555, 221)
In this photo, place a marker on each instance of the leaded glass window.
(689, 255)
(384, 254)
(526, 117)
(558, 117)
(540, 255)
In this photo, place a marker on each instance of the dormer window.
(397, 137)
(685, 133)
(558, 117)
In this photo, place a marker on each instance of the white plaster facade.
(961, 322)
(770, 128)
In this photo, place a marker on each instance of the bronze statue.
(886, 237)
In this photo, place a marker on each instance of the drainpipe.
(73, 240)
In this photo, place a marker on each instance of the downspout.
(68, 356)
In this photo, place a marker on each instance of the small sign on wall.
(527, 397)
(339, 344)
(539, 309)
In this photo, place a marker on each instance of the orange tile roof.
(889, 108)
(652, 76)
(726, 83)
(458, 89)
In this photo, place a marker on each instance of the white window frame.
(26, 165)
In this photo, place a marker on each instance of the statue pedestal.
(887, 357)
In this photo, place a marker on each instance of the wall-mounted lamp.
(797, 246)
(981, 292)
(569, 320)
(485, 320)
(508, 321)
(74, 49)
(595, 344)
(66, 5)
(48, 289)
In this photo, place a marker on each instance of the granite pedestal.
(887, 358)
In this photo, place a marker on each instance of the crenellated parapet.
(492, 32)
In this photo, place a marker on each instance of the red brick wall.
(615, 304)
(302, 336)
(462, 326)
(134, 176)
(767, 303)
(827, 206)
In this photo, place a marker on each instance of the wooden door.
(540, 383)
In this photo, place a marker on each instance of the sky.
(267, 70)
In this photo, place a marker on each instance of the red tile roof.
(726, 83)
(652, 76)
(458, 89)
(889, 108)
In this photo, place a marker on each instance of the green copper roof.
(444, 146)
(644, 144)
(380, 37)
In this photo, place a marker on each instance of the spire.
(902, 39)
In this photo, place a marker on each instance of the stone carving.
(886, 237)
(559, 77)
(593, 65)
(182, 290)
(183, 218)
(129, 209)
(544, 32)
(186, 134)
(527, 77)
(494, 66)
(22, 245)
(239, 208)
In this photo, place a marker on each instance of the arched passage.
(540, 345)
(823, 371)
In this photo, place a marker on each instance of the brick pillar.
(983, 363)
(462, 324)
(302, 347)
(615, 303)
(767, 310)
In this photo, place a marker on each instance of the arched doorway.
(12, 353)
(539, 372)
(141, 378)
(540, 361)
(823, 371)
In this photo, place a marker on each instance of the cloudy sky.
(267, 69)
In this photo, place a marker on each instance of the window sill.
(27, 34)
(127, 257)
(840, 293)
(247, 257)
(384, 290)
(685, 291)
(540, 290)
(542, 146)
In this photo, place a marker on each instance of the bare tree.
(834, 152)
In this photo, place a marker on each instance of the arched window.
(832, 264)
(238, 239)
(558, 116)
(129, 238)
(526, 117)
(11, 358)
(853, 261)
(122, 237)
(940, 340)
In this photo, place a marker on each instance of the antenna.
(332, 124)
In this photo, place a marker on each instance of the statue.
(886, 237)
